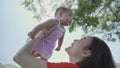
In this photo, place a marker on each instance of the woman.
(88, 52)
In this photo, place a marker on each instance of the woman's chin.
(67, 49)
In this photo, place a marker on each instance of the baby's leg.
(35, 54)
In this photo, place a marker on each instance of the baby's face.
(66, 18)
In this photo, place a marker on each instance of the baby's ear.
(86, 53)
(60, 14)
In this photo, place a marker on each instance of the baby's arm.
(60, 41)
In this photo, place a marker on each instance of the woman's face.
(77, 47)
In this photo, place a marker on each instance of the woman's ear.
(86, 53)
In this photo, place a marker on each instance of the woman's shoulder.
(61, 65)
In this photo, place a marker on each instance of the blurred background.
(16, 22)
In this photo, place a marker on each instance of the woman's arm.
(23, 56)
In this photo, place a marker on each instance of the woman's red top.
(61, 65)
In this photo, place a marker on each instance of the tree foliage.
(99, 16)
(93, 16)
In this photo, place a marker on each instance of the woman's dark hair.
(101, 56)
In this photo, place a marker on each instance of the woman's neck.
(74, 60)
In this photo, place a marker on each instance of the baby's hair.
(62, 10)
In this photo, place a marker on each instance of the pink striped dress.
(46, 45)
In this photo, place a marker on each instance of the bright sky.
(16, 22)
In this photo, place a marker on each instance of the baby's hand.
(57, 49)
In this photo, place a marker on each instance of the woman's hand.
(44, 32)
(47, 31)
(31, 34)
